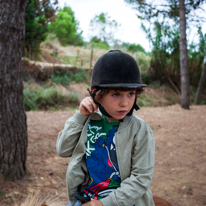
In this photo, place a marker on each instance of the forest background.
(160, 66)
(56, 70)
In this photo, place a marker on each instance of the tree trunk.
(13, 128)
(201, 85)
(185, 81)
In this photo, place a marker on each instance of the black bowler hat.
(116, 69)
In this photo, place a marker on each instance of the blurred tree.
(202, 55)
(176, 10)
(37, 16)
(66, 28)
(13, 128)
(97, 42)
(196, 53)
(104, 28)
(201, 85)
(165, 57)
(133, 47)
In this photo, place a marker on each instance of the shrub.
(66, 28)
(46, 97)
(65, 77)
(30, 97)
(80, 76)
(64, 80)
(61, 76)
(144, 100)
(101, 45)
(72, 98)
(49, 97)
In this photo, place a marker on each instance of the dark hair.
(105, 90)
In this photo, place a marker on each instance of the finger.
(94, 105)
(86, 107)
(89, 104)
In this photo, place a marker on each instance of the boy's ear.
(99, 101)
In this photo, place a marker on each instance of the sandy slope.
(180, 168)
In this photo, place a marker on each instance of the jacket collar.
(122, 125)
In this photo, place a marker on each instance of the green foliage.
(133, 47)
(165, 56)
(165, 59)
(61, 76)
(30, 98)
(65, 77)
(66, 59)
(149, 10)
(50, 40)
(144, 100)
(37, 15)
(95, 39)
(143, 61)
(49, 96)
(190, 192)
(73, 97)
(165, 62)
(104, 28)
(1, 193)
(196, 54)
(203, 102)
(80, 76)
(60, 79)
(46, 97)
(97, 42)
(65, 27)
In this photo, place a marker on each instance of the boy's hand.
(93, 203)
(87, 106)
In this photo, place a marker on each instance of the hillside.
(69, 71)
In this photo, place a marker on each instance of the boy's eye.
(115, 95)
(131, 94)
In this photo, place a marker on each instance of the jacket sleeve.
(135, 188)
(69, 136)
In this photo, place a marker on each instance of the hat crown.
(116, 69)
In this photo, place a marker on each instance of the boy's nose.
(124, 101)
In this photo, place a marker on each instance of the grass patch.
(65, 77)
(50, 41)
(144, 101)
(203, 101)
(170, 100)
(80, 76)
(58, 79)
(1, 193)
(30, 99)
(66, 59)
(46, 98)
(155, 84)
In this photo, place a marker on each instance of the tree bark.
(201, 85)
(13, 127)
(185, 81)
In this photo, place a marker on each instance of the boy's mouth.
(122, 111)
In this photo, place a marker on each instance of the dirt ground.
(180, 167)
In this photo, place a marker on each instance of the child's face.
(118, 103)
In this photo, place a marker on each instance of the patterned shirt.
(101, 159)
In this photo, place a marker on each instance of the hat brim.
(124, 85)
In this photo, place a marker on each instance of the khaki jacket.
(135, 149)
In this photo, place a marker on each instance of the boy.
(112, 150)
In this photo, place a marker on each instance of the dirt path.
(180, 168)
